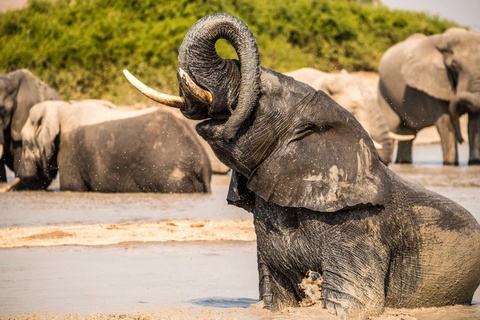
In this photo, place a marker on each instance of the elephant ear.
(327, 166)
(238, 193)
(40, 132)
(29, 93)
(424, 68)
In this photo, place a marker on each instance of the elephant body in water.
(96, 146)
(327, 212)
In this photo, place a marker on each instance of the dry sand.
(111, 234)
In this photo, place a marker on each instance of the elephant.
(322, 202)
(19, 91)
(217, 166)
(354, 94)
(432, 80)
(95, 146)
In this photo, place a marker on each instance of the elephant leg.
(265, 284)
(474, 138)
(448, 139)
(404, 152)
(404, 148)
(3, 172)
(275, 291)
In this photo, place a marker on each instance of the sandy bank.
(109, 234)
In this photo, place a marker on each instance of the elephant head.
(40, 136)
(19, 91)
(259, 121)
(447, 67)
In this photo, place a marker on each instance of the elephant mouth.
(195, 107)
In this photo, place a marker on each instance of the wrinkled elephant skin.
(322, 201)
(96, 146)
(354, 94)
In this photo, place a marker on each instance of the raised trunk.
(235, 85)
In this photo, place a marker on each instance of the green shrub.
(81, 46)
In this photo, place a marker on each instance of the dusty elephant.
(426, 81)
(322, 201)
(354, 94)
(19, 91)
(95, 146)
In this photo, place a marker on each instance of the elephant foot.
(403, 162)
(450, 163)
(474, 162)
(334, 305)
(266, 294)
(267, 301)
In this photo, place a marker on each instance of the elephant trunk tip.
(459, 137)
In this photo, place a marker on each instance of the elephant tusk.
(198, 92)
(12, 185)
(1, 150)
(377, 145)
(166, 99)
(401, 137)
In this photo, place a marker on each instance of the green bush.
(81, 46)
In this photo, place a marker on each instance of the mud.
(71, 255)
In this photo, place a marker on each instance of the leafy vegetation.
(81, 46)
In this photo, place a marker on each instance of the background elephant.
(354, 94)
(432, 80)
(98, 147)
(217, 166)
(19, 91)
(322, 201)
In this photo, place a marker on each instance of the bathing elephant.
(19, 91)
(218, 167)
(95, 146)
(354, 94)
(322, 201)
(432, 80)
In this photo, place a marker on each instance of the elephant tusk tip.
(377, 145)
(401, 137)
(166, 99)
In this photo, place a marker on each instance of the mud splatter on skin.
(312, 287)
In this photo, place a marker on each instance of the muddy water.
(146, 277)
(23, 209)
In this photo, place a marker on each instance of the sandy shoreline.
(111, 234)
(255, 312)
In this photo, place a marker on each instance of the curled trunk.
(200, 60)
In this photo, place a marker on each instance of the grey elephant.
(19, 91)
(354, 94)
(432, 80)
(322, 201)
(95, 146)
